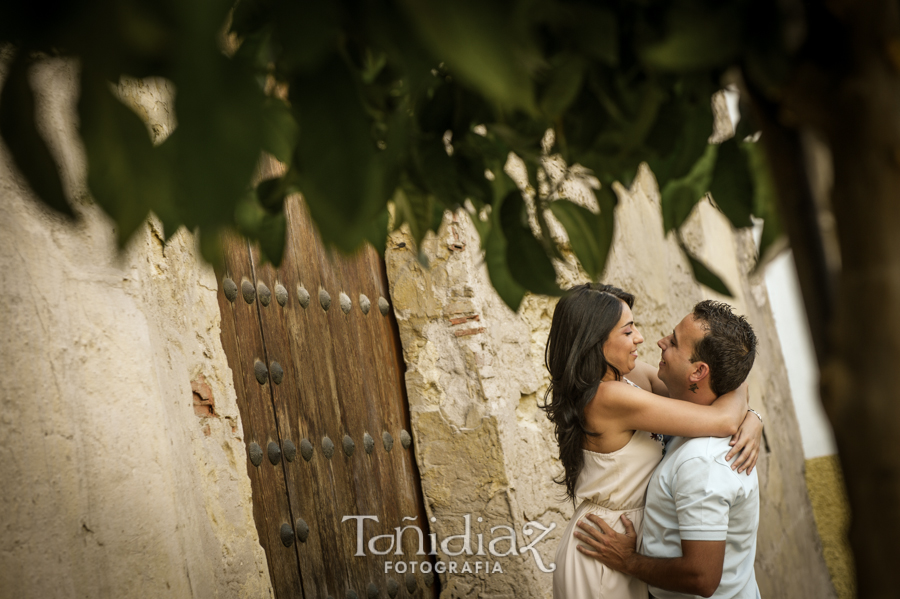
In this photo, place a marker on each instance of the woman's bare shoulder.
(600, 412)
(615, 398)
(610, 392)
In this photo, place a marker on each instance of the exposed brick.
(464, 319)
(202, 410)
(465, 332)
(201, 388)
(204, 403)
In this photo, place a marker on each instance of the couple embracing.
(646, 457)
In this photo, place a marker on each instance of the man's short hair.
(729, 346)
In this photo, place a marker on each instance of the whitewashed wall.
(113, 484)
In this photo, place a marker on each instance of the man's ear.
(700, 372)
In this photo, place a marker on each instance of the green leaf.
(765, 200)
(525, 143)
(215, 149)
(480, 42)
(581, 227)
(437, 216)
(652, 96)
(470, 167)
(747, 125)
(438, 172)
(251, 15)
(377, 230)
(483, 227)
(679, 196)
(127, 175)
(705, 276)
(610, 167)
(592, 29)
(279, 129)
(255, 50)
(307, 34)
(525, 256)
(272, 192)
(256, 223)
(271, 235)
(211, 247)
(415, 208)
(27, 149)
(595, 30)
(586, 233)
(373, 65)
(435, 110)
(667, 130)
(688, 120)
(607, 200)
(344, 178)
(580, 125)
(697, 37)
(495, 258)
(562, 84)
(732, 185)
(248, 215)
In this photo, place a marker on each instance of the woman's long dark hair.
(582, 322)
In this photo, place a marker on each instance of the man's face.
(675, 366)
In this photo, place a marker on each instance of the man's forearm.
(673, 574)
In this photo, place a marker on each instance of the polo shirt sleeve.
(704, 492)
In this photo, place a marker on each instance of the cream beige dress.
(609, 485)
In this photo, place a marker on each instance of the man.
(701, 517)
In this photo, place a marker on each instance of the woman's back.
(609, 485)
(618, 480)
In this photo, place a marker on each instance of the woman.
(600, 419)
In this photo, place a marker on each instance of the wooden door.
(317, 365)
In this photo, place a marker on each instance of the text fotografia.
(500, 543)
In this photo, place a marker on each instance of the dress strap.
(630, 383)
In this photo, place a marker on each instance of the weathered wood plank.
(329, 364)
(296, 407)
(342, 375)
(383, 335)
(243, 345)
(375, 493)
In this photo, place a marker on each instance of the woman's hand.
(745, 444)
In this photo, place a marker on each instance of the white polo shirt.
(695, 495)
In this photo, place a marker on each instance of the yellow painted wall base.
(832, 513)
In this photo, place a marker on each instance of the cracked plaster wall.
(121, 444)
(475, 375)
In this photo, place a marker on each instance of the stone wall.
(475, 376)
(120, 440)
(121, 453)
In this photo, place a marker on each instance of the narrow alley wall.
(121, 454)
(476, 375)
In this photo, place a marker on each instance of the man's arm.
(697, 572)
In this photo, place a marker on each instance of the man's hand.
(697, 572)
(606, 545)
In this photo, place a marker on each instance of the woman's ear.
(700, 372)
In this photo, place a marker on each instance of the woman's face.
(621, 347)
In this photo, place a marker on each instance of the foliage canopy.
(406, 101)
